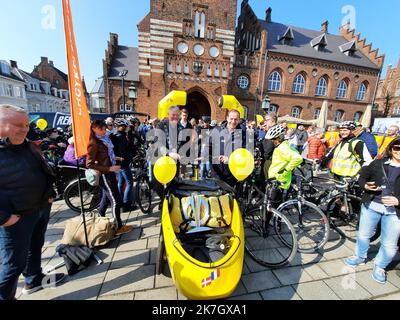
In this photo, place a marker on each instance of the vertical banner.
(79, 109)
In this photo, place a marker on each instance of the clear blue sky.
(23, 38)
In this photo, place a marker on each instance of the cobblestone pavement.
(128, 272)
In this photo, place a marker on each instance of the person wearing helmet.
(124, 150)
(284, 159)
(349, 155)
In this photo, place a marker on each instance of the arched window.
(321, 87)
(339, 115)
(299, 84)
(342, 90)
(274, 81)
(273, 108)
(200, 24)
(357, 116)
(362, 90)
(296, 112)
(317, 112)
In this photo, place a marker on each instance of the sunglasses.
(396, 148)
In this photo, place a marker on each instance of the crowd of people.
(27, 156)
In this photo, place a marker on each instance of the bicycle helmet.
(133, 119)
(350, 125)
(275, 132)
(121, 122)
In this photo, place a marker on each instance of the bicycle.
(311, 224)
(67, 187)
(271, 239)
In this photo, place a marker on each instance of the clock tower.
(187, 45)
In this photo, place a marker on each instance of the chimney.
(13, 64)
(325, 25)
(268, 15)
(44, 60)
(51, 63)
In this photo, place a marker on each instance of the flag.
(79, 108)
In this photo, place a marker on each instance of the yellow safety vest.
(345, 163)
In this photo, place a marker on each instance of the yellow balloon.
(41, 124)
(241, 164)
(165, 170)
(260, 119)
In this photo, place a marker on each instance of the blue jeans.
(21, 251)
(390, 225)
(125, 176)
(205, 168)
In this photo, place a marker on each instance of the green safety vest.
(345, 162)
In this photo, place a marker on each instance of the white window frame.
(273, 108)
(337, 118)
(396, 110)
(275, 82)
(296, 112)
(356, 117)
(9, 90)
(317, 113)
(299, 84)
(361, 93)
(321, 88)
(341, 92)
(243, 82)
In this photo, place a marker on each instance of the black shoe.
(45, 281)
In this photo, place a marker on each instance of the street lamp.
(122, 75)
(266, 104)
(256, 103)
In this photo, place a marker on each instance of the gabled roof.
(319, 41)
(125, 58)
(288, 35)
(12, 74)
(300, 45)
(349, 46)
(98, 86)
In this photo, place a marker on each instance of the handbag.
(92, 177)
(100, 231)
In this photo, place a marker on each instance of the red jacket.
(316, 148)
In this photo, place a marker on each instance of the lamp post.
(123, 74)
(266, 104)
(256, 103)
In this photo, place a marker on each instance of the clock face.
(198, 50)
(214, 52)
(183, 47)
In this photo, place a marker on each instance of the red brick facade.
(47, 71)
(388, 98)
(167, 61)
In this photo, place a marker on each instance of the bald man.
(26, 195)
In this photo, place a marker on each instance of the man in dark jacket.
(26, 194)
(368, 138)
(230, 137)
(124, 150)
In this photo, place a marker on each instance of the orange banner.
(79, 108)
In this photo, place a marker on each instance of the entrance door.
(198, 105)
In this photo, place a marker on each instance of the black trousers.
(111, 196)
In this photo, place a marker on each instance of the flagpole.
(82, 204)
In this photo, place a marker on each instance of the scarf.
(108, 143)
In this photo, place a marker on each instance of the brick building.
(388, 97)
(197, 47)
(298, 68)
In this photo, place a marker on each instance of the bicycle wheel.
(145, 195)
(264, 244)
(311, 224)
(91, 196)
